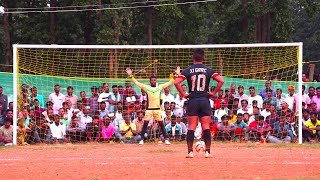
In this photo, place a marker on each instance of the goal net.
(84, 67)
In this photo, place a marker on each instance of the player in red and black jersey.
(198, 77)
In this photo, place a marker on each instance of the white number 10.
(199, 78)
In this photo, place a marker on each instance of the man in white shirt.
(167, 97)
(266, 112)
(85, 118)
(241, 96)
(221, 111)
(253, 96)
(58, 130)
(290, 97)
(57, 99)
(180, 102)
(104, 97)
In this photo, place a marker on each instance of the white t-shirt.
(57, 101)
(58, 131)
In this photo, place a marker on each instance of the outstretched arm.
(172, 78)
(140, 85)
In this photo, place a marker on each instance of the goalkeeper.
(153, 101)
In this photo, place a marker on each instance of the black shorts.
(199, 107)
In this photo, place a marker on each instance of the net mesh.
(83, 68)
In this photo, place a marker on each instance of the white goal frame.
(35, 46)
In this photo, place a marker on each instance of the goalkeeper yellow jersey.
(153, 93)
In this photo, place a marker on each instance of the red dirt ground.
(151, 161)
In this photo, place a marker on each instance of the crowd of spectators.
(116, 114)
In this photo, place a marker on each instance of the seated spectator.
(311, 129)
(37, 109)
(108, 129)
(43, 128)
(184, 128)
(233, 117)
(258, 129)
(75, 132)
(280, 131)
(130, 100)
(85, 118)
(6, 132)
(270, 98)
(21, 132)
(226, 130)
(223, 110)
(58, 131)
(266, 112)
(103, 110)
(244, 107)
(241, 126)
(94, 129)
(173, 129)
(128, 130)
(273, 117)
(138, 121)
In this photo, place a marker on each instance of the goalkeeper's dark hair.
(153, 76)
(198, 55)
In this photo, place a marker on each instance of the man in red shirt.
(259, 128)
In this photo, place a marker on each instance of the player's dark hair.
(198, 55)
(152, 76)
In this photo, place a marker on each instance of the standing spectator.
(128, 89)
(311, 92)
(233, 89)
(316, 99)
(305, 99)
(3, 101)
(34, 95)
(270, 98)
(2, 115)
(167, 96)
(304, 77)
(57, 99)
(253, 96)
(114, 98)
(72, 97)
(263, 92)
(143, 96)
(84, 99)
(279, 98)
(219, 99)
(93, 100)
(290, 96)
(241, 96)
(311, 129)
(180, 101)
(104, 96)
(6, 132)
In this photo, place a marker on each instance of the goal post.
(83, 66)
